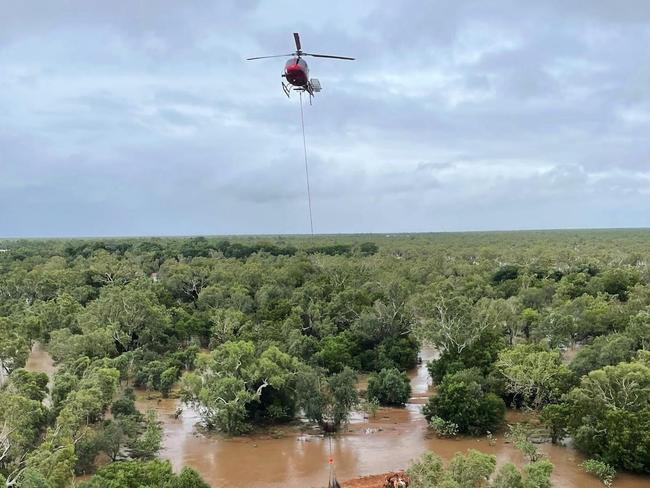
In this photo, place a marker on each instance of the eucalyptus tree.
(609, 415)
(534, 375)
(233, 384)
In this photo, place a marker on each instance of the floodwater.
(288, 458)
(39, 360)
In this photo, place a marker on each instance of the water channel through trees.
(297, 456)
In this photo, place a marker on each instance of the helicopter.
(296, 71)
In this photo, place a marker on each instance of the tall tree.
(534, 375)
(610, 415)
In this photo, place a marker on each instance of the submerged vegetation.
(389, 387)
(262, 331)
(475, 469)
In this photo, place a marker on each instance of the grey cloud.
(137, 19)
(122, 118)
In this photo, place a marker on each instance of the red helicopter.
(296, 71)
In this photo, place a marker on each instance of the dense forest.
(260, 331)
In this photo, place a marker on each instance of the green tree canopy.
(138, 474)
(610, 415)
(389, 387)
(462, 398)
(233, 384)
(535, 375)
(327, 400)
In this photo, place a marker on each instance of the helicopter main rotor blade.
(327, 56)
(296, 37)
(274, 56)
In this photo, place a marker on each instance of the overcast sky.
(142, 117)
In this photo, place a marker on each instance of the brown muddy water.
(290, 458)
(40, 360)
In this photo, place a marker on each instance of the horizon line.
(309, 236)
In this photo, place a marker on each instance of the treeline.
(257, 331)
(192, 247)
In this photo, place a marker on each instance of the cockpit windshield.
(299, 61)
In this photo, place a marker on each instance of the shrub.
(603, 471)
(471, 469)
(370, 407)
(491, 412)
(461, 399)
(468, 470)
(167, 380)
(389, 387)
(555, 418)
(427, 471)
(125, 406)
(538, 474)
(508, 476)
(443, 428)
(520, 436)
(148, 473)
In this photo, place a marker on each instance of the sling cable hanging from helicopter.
(333, 482)
(304, 146)
(296, 74)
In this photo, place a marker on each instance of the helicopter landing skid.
(286, 89)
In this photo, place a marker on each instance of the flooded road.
(289, 458)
